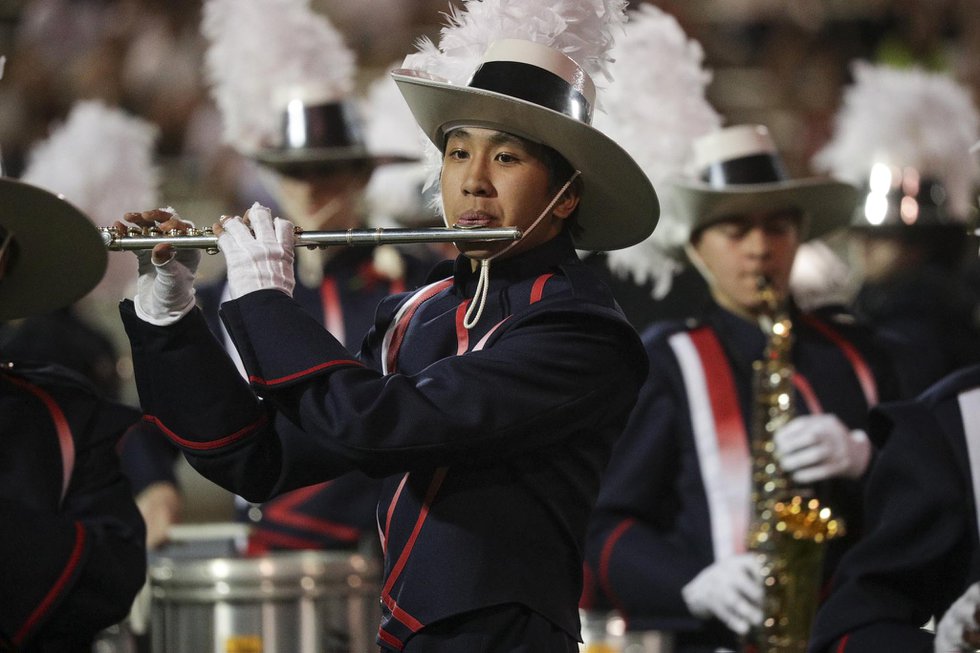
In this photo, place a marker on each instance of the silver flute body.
(136, 238)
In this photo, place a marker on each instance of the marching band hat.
(55, 257)
(535, 92)
(903, 135)
(318, 131)
(741, 171)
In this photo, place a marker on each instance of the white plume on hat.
(655, 110)
(394, 193)
(906, 118)
(101, 160)
(583, 30)
(256, 47)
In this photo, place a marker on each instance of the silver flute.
(134, 238)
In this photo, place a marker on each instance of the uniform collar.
(548, 255)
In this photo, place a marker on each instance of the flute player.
(488, 400)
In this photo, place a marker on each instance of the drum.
(289, 602)
(605, 632)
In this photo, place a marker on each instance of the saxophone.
(788, 527)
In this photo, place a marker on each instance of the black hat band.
(535, 85)
(753, 169)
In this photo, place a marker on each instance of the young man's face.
(491, 179)
(737, 251)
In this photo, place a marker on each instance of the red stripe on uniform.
(406, 319)
(212, 444)
(57, 588)
(437, 478)
(462, 333)
(333, 311)
(391, 511)
(282, 511)
(258, 380)
(843, 644)
(390, 639)
(66, 443)
(732, 438)
(810, 397)
(721, 391)
(606, 555)
(861, 368)
(261, 542)
(537, 290)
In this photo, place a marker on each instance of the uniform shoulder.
(951, 386)
(50, 376)
(658, 333)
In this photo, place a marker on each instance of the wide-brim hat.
(741, 172)
(537, 93)
(319, 133)
(57, 254)
(901, 202)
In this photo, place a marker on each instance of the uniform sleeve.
(896, 577)
(564, 372)
(635, 549)
(69, 572)
(193, 395)
(548, 374)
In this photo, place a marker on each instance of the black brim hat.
(899, 201)
(318, 134)
(57, 255)
(537, 93)
(741, 172)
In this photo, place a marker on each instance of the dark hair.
(559, 169)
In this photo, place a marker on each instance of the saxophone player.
(667, 541)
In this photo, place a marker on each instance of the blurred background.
(783, 63)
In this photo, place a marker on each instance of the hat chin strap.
(483, 284)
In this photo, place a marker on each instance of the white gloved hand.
(260, 254)
(960, 617)
(815, 447)
(165, 289)
(729, 589)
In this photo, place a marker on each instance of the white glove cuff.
(165, 297)
(860, 456)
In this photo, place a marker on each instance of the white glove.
(729, 589)
(165, 289)
(816, 447)
(960, 617)
(261, 257)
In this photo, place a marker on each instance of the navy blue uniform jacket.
(652, 529)
(72, 553)
(921, 549)
(491, 440)
(336, 514)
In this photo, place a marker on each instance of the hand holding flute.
(165, 287)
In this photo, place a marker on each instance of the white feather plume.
(584, 30)
(258, 46)
(655, 109)
(905, 117)
(394, 194)
(101, 160)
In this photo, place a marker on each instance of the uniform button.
(255, 514)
